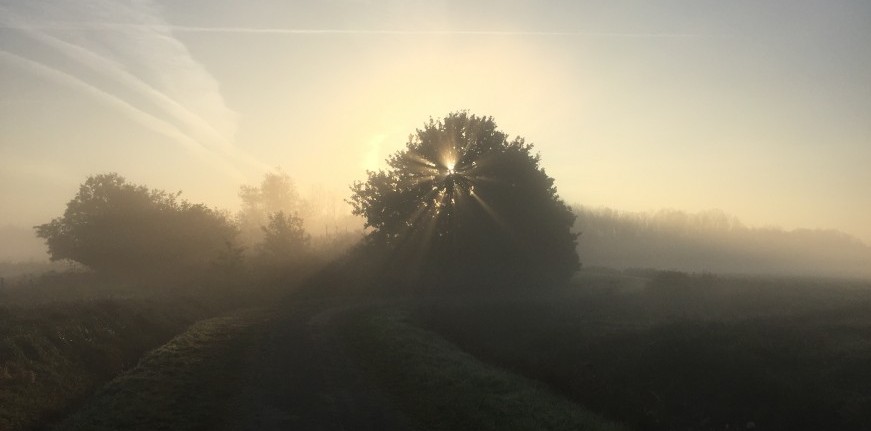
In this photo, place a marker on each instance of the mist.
(714, 242)
(706, 242)
(20, 244)
(435, 215)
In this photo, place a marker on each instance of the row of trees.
(123, 229)
(461, 206)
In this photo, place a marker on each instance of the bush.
(115, 227)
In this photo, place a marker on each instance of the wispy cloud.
(292, 31)
(141, 69)
(140, 116)
(398, 32)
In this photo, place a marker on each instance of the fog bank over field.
(19, 243)
(713, 241)
(710, 241)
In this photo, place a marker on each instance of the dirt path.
(299, 377)
(281, 371)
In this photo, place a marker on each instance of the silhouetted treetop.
(464, 205)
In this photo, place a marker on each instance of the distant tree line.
(713, 241)
(126, 230)
(463, 206)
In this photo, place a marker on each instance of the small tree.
(116, 227)
(275, 193)
(284, 240)
(462, 205)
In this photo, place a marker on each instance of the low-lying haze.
(761, 109)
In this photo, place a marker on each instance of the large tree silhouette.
(464, 206)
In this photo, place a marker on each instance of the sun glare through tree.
(464, 204)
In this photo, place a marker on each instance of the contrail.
(336, 31)
(112, 69)
(143, 118)
(191, 119)
(291, 31)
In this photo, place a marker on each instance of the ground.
(301, 366)
(615, 350)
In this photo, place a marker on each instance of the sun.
(449, 165)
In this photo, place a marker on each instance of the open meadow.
(641, 350)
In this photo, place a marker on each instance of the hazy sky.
(760, 108)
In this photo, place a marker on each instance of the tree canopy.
(113, 226)
(465, 206)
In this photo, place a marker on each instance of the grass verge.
(687, 352)
(178, 386)
(54, 355)
(442, 388)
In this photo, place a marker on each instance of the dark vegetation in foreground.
(184, 384)
(62, 336)
(684, 352)
(651, 350)
(441, 387)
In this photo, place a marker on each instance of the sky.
(759, 108)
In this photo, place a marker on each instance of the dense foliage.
(116, 227)
(462, 205)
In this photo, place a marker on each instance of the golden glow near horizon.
(672, 107)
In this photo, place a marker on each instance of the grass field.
(182, 385)
(616, 350)
(62, 336)
(322, 366)
(687, 352)
(443, 388)
(53, 355)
